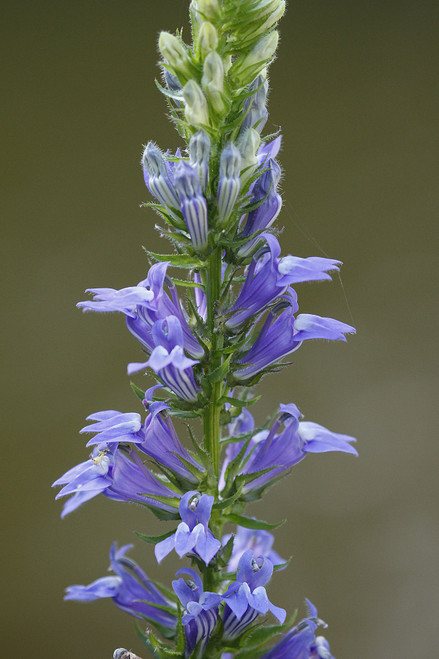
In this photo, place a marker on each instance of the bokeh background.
(355, 92)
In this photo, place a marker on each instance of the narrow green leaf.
(281, 566)
(138, 391)
(250, 523)
(244, 479)
(187, 283)
(237, 402)
(154, 539)
(163, 515)
(218, 374)
(177, 260)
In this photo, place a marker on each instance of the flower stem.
(212, 411)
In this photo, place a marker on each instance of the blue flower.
(86, 480)
(161, 442)
(145, 304)
(193, 533)
(300, 642)
(116, 474)
(264, 193)
(259, 541)
(114, 427)
(246, 598)
(124, 300)
(201, 611)
(280, 449)
(169, 361)
(129, 588)
(282, 334)
(269, 276)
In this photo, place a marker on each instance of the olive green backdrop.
(355, 92)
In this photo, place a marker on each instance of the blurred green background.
(355, 92)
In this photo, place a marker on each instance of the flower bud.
(207, 38)
(248, 146)
(206, 8)
(156, 176)
(199, 152)
(193, 205)
(175, 53)
(196, 111)
(229, 182)
(273, 18)
(256, 59)
(213, 81)
(255, 106)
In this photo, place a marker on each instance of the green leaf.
(226, 503)
(177, 260)
(144, 637)
(218, 374)
(233, 469)
(138, 391)
(183, 414)
(243, 479)
(237, 402)
(162, 515)
(154, 539)
(226, 551)
(187, 283)
(250, 523)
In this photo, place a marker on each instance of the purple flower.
(282, 334)
(192, 203)
(300, 642)
(86, 480)
(129, 588)
(269, 276)
(243, 423)
(279, 451)
(168, 359)
(265, 194)
(259, 541)
(160, 441)
(201, 611)
(145, 306)
(114, 473)
(114, 427)
(246, 598)
(125, 300)
(193, 533)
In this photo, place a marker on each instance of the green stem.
(212, 411)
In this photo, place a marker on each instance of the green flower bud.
(213, 81)
(248, 146)
(207, 38)
(273, 18)
(206, 8)
(251, 64)
(196, 111)
(176, 54)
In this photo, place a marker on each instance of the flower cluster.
(234, 321)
